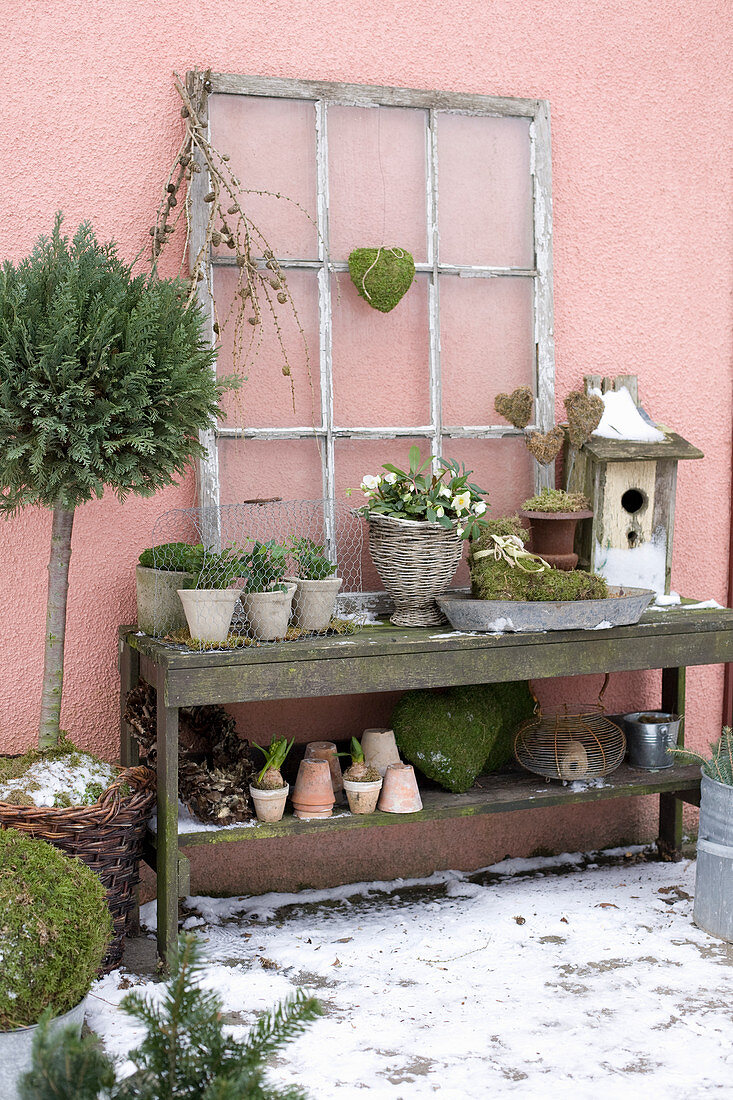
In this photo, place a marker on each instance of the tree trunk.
(53, 660)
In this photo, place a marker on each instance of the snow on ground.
(539, 978)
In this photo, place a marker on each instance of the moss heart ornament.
(382, 275)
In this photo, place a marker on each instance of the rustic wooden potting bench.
(386, 658)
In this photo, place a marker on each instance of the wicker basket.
(416, 562)
(107, 836)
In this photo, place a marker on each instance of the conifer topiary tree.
(105, 380)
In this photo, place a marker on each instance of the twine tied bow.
(510, 549)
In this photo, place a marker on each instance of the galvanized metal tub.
(713, 910)
(623, 608)
(16, 1047)
(648, 743)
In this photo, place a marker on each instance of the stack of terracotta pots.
(320, 784)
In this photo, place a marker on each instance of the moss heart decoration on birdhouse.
(382, 275)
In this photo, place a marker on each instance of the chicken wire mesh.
(253, 573)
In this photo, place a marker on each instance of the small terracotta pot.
(268, 613)
(313, 602)
(209, 611)
(553, 536)
(269, 805)
(362, 796)
(326, 750)
(400, 794)
(313, 791)
(380, 749)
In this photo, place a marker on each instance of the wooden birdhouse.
(631, 485)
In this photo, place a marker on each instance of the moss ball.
(459, 733)
(55, 927)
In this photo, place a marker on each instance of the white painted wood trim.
(207, 468)
(541, 151)
(372, 95)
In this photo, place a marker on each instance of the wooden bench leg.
(129, 662)
(670, 807)
(167, 848)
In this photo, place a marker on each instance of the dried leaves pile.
(215, 766)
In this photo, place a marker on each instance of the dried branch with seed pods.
(262, 289)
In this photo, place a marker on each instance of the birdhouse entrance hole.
(633, 500)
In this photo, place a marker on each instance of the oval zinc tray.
(623, 608)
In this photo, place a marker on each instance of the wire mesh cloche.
(570, 742)
(252, 573)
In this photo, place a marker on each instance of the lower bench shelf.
(498, 793)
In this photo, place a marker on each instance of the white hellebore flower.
(444, 491)
(390, 478)
(459, 531)
(479, 508)
(370, 483)
(440, 511)
(461, 502)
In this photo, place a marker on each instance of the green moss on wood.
(54, 929)
(457, 734)
(381, 275)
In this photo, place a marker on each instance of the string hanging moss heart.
(516, 407)
(382, 275)
(545, 445)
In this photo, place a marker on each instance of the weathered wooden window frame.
(433, 103)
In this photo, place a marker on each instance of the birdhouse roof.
(627, 450)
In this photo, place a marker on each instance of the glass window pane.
(266, 398)
(255, 468)
(485, 191)
(380, 360)
(487, 345)
(377, 190)
(272, 145)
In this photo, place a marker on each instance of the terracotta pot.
(313, 791)
(269, 805)
(400, 794)
(326, 750)
(268, 613)
(313, 602)
(209, 611)
(380, 749)
(362, 796)
(553, 536)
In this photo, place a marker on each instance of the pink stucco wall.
(640, 98)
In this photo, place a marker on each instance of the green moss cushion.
(382, 275)
(54, 929)
(459, 733)
(496, 580)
